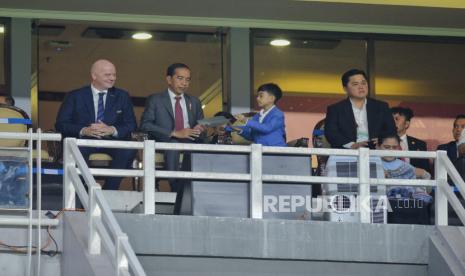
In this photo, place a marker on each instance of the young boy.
(267, 127)
(397, 168)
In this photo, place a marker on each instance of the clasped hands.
(98, 130)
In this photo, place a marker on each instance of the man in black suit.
(452, 147)
(100, 111)
(402, 117)
(172, 116)
(358, 120)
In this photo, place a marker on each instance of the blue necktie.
(101, 108)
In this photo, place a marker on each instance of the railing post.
(440, 207)
(149, 177)
(364, 184)
(121, 260)
(256, 185)
(94, 214)
(69, 192)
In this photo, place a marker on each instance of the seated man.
(402, 117)
(267, 127)
(358, 120)
(100, 111)
(397, 168)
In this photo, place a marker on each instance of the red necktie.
(178, 117)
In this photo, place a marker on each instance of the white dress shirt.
(183, 107)
(361, 121)
(95, 97)
(404, 146)
(263, 114)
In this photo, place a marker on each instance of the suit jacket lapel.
(371, 117)
(89, 102)
(109, 104)
(168, 106)
(350, 118)
(189, 107)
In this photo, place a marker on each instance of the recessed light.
(2, 29)
(141, 36)
(280, 42)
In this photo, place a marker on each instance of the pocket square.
(119, 111)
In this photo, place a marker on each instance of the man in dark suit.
(172, 116)
(100, 111)
(451, 147)
(402, 117)
(358, 120)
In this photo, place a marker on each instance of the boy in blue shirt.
(266, 127)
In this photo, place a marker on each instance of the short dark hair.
(171, 70)
(227, 115)
(403, 111)
(272, 89)
(352, 72)
(460, 116)
(385, 136)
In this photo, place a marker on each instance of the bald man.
(100, 111)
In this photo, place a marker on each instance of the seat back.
(12, 112)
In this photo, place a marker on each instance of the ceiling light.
(2, 29)
(280, 42)
(141, 36)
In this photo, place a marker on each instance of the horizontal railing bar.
(202, 147)
(309, 179)
(35, 136)
(203, 175)
(403, 182)
(95, 143)
(265, 177)
(16, 221)
(308, 151)
(116, 172)
(401, 153)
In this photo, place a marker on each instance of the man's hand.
(98, 130)
(90, 132)
(186, 133)
(359, 145)
(241, 118)
(200, 128)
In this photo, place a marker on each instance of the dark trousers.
(121, 159)
(177, 185)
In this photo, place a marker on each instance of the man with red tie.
(171, 116)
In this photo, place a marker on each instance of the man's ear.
(168, 79)
(407, 124)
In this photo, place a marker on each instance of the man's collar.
(353, 105)
(263, 112)
(174, 95)
(95, 91)
(403, 137)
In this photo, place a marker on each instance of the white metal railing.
(443, 167)
(31, 221)
(100, 216)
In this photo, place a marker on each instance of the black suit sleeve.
(388, 125)
(65, 123)
(332, 128)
